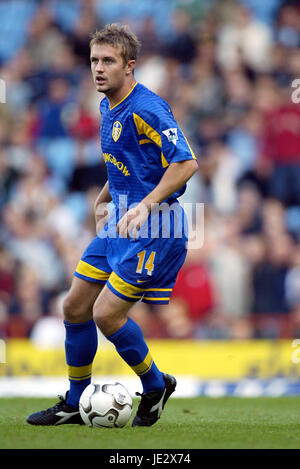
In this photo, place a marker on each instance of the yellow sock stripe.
(81, 378)
(125, 288)
(143, 367)
(88, 270)
(78, 373)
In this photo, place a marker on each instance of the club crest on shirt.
(116, 130)
(171, 135)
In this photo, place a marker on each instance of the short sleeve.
(159, 126)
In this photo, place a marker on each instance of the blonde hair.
(118, 35)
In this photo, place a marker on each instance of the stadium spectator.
(194, 287)
(182, 46)
(269, 277)
(245, 40)
(226, 69)
(281, 149)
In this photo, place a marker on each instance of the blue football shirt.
(140, 138)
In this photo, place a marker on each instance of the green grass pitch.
(223, 423)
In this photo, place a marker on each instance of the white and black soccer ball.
(105, 405)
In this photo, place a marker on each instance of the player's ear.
(130, 67)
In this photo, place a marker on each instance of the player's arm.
(176, 176)
(100, 207)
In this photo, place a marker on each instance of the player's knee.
(104, 320)
(74, 311)
(100, 318)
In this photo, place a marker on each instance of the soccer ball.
(105, 405)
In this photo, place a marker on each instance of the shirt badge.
(116, 130)
(171, 135)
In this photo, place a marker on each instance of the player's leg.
(80, 347)
(81, 334)
(81, 342)
(110, 315)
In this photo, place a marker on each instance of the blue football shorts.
(144, 269)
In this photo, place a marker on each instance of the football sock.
(131, 346)
(80, 347)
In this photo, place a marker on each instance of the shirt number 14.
(149, 265)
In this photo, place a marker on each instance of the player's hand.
(131, 222)
(101, 216)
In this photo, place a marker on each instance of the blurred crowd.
(226, 67)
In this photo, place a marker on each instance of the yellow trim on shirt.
(164, 161)
(146, 129)
(145, 140)
(193, 154)
(123, 99)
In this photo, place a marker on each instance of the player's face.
(108, 69)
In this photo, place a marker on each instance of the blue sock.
(80, 346)
(131, 346)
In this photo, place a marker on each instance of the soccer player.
(148, 162)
